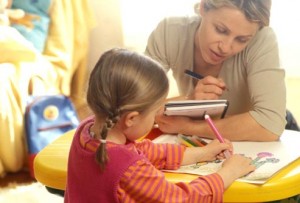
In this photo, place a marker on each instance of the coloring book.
(268, 157)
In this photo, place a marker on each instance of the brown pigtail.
(101, 153)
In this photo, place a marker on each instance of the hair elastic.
(92, 134)
(102, 141)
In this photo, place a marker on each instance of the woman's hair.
(123, 81)
(257, 11)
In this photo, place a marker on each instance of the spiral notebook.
(197, 108)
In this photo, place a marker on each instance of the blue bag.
(47, 118)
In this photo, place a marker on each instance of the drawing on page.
(206, 168)
(261, 159)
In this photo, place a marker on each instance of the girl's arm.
(208, 153)
(162, 156)
(145, 183)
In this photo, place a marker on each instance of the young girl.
(107, 164)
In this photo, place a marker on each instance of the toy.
(7, 14)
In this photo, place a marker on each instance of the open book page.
(269, 157)
(196, 108)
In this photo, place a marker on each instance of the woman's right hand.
(235, 167)
(209, 88)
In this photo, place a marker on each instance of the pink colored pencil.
(216, 132)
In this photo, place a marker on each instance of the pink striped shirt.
(143, 182)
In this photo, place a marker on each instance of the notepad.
(197, 108)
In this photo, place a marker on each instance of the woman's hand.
(209, 88)
(171, 124)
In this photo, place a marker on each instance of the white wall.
(108, 31)
(285, 19)
(140, 17)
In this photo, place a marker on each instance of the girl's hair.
(257, 11)
(123, 81)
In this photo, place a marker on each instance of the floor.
(22, 177)
(33, 192)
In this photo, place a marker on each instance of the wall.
(293, 96)
(140, 17)
(285, 18)
(108, 30)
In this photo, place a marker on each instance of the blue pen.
(193, 74)
(197, 76)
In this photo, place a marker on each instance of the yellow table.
(50, 168)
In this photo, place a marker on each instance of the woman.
(231, 45)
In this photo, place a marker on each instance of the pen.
(197, 76)
(216, 132)
(193, 74)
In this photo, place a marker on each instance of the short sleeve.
(266, 82)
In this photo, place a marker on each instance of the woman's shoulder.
(263, 42)
(175, 29)
(180, 22)
(267, 30)
(182, 19)
(265, 35)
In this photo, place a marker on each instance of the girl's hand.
(214, 150)
(209, 88)
(210, 152)
(235, 167)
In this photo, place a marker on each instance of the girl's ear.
(131, 118)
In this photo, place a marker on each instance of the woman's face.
(223, 33)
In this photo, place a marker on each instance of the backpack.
(47, 118)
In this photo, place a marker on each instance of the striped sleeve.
(144, 183)
(162, 156)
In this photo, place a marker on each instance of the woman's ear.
(201, 8)
(131, 118)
